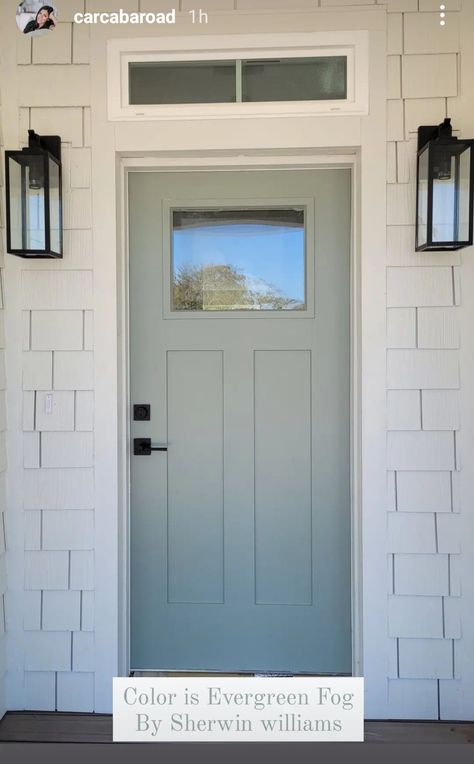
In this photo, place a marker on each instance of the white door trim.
(281, 160)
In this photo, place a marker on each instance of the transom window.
(248, 81)
(212, 77)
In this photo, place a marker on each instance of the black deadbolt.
(141, 412)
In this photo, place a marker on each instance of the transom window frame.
(231, 203)
(352, 45)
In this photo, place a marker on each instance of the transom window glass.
(238, 259)
(182, 82)
(295, 79)
(254, 80)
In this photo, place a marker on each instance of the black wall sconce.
(444, 190)
(34, 198)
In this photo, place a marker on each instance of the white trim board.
(281, 161)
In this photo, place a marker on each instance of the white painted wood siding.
(424, 379)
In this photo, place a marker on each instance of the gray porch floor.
(45, 727)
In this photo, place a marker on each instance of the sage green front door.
(240, 347)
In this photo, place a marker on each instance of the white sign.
(233, 709)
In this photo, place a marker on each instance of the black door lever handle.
(143, 447)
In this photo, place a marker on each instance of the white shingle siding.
(452, 617)
(47, 651)
(418, 369)
(401, 5)
(413, 617)
(37, 371)
(438, 328)
(28, 411)
(73, 370)
(394, 79)
(40, 690)
(84, 410)
(420, 451)
(57, 330)
(61, 610)
(394, 33)
(395, 120)
(54, 411)
(400, 204)
(67, 449)
(75, 692)
(32, 610)
(31, 449)
(32, 530)
(82, 571)
(87, 611)
(58, 489)
(83, 651)
(429, 76)
(411, 532)
(58, 49)
(68, 529)
(67, 85)
(425, 658)
(424, 491)
(424, 34)
(67, 122)
(403, 410)
(80, 44)
(401, 328)
(449, 533)
(57, 290)
(406, 161)
(391, 162)
(421, 574)
(46, 570)
(419, 287)
(412, 699)
(420, 111)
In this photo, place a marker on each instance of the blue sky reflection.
(268, 254)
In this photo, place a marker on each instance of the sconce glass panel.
(451, 194)
(423, 181)
(54, 205)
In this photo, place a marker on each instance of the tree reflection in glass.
(246, 259)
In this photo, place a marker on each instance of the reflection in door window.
(246, 259)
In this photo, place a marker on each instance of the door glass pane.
(158, 82)
(295, 79)
(238, 259)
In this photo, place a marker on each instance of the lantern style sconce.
(34, 198)
(444, 193)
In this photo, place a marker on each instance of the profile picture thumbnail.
(33, 17)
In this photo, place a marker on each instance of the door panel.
(195, 434)
(240, 533)
(283, 477)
